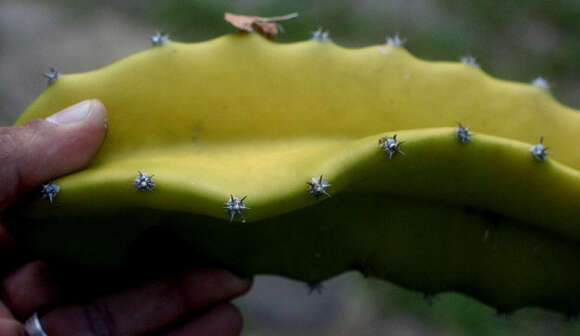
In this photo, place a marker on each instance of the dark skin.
(191, 301)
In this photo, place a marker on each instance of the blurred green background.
(512, 39)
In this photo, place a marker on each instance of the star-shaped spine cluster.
(50, 190)
(144, 182)
(159, 39)
(51, 76)
(542, 83)
(235, 206)
(539, 151)
(317, 187)
(470, 60)
(391, 146)
(395, 41)
(320, 35)
(463, 134)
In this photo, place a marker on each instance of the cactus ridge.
(271, 120)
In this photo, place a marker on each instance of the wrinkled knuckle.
(14, 138)
(99, 318)
(35, 130)
(37, 124)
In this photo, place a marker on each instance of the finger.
(12, 254)
(223, 320)
(29, 289)
(7, 242)
(11, 327)
(5, 312)
(148, 308)
(45, 149)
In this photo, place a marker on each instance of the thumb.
(45, 149)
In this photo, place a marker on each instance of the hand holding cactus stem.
(60, 144)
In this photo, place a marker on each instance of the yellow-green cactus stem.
(240, 115)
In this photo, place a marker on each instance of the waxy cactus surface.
(241, 116)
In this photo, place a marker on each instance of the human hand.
(193, 302)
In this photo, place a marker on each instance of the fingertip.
(85, 111)
(215, 284)
(98, 112)
(223, 320)
(83, 139)
(68, 142)
(237, 284)
(29, 289)
(229, 314)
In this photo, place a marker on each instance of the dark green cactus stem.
(424, 246)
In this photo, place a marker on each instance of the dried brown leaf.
(265, 26)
